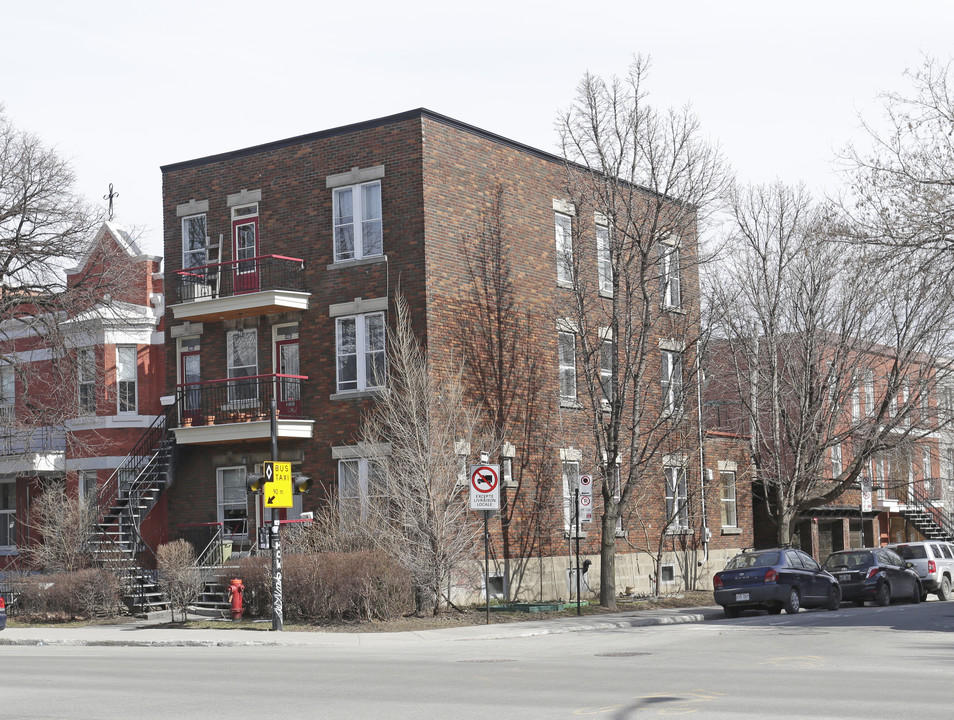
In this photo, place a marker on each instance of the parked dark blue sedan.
(774, 580)
(877, 574)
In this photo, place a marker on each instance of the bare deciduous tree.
(648, 179)
(830, 356)
(420, 515)
(505, 378)
(901, 183)
(55, 286)
(64, 525)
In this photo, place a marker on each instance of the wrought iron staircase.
(930, 519)
(123, 502)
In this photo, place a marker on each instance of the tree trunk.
(608, 560)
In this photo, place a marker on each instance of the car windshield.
(848, 561)
(911, 552)
(751, 560)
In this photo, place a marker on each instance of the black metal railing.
(247, 399)
(919, 497)
(237, 277)
(19, 440)
(130, 492)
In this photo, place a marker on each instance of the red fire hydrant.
(236, 588)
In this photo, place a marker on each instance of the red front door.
(244, 252)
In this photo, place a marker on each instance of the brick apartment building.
(103, 397)
(283, 261)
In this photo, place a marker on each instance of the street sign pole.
(577, 494)
(278, 612)
(487, 562)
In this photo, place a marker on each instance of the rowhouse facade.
(101, 380)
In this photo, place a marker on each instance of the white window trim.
(677, 525)
(90, 382)
(563, 238)
(363, 497)
(672, 399)
(734, 500)
(8, 392)
(134, 381)
(671, 277)
(233, 397)
(205, 241)
(220, 499)
(565, 399)
(604, 259)
(361, 353)
(357, 221)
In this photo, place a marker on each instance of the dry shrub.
(65, 524)
(363, 585)
(179, 577)
(81, 594)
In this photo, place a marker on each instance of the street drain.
(486, 660)
(622, 654)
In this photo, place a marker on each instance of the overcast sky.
(121, 88)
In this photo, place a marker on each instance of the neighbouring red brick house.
(102, 382)
(283, 261)
(907, 497)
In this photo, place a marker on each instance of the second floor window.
(86, 379)
(604, 262)
(242, 363)
(671, 365)
(357, 222)
(606, 371)
(567, 361)
(126, 378)
(669, 273)
(360, 350)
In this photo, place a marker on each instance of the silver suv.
(934, 561)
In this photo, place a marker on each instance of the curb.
(480, 632)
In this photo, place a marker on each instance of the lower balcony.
(236, 410)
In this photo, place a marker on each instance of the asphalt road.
(853, 663)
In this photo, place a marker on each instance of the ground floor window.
(8, 514)
(360, 480)
(232, 502)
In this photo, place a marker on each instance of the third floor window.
(357, 222)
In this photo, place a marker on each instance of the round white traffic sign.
(484, 479)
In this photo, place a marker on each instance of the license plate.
(741, 597)
(844, 578)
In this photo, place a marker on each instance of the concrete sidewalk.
(145, 633)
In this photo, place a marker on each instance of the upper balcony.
(240, 288)
(225, 411)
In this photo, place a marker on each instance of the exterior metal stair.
(930, 519)
(124, 501)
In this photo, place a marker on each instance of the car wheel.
(916, 595)
(834, 597)
(731, 611)
(793, 602)
(944, 592)
(774, 610)
(883, 596)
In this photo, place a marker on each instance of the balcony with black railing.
(235, 409)
(253, 286)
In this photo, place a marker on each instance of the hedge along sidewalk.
(147, 634)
